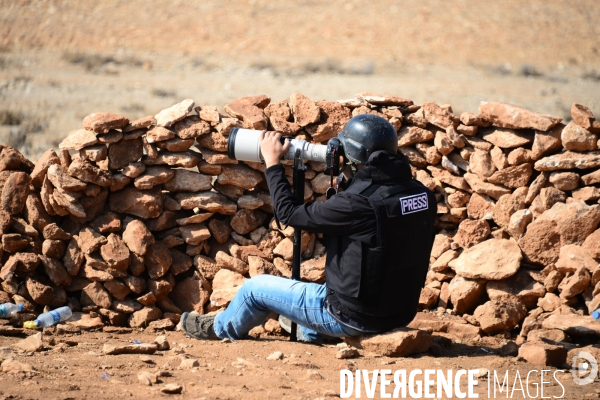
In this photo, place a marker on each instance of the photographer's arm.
(335, 216)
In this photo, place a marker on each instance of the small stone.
(159, 134)
(15, 192)
(140, 123)
(89, 240)
(348, 352)
(134, 169)
(472, 232)
(145, 378)
(188, 181)
(512, 177)
(190, 128)
(333, 117)
(32, 344)
(568, 160)
(564, 180)
(439, 116)
(171, 388)
(500, 316)
(582, 116)
(157, 260)
(121, 154)
(143, 317)
(304, 109)
(251, 115)
(485, 188)
(162, 343)
(153, 176)
(78, 139)
(141, 203)
(226, 283)
(177, 112)
(189, 363)
(400, 342)
(540, 353)
(143, 348)
(104, 122)
(576, 138)
(137, 237)
(41, 167)
(275, 356)
(209, 201)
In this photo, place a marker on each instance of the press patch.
(414, 203)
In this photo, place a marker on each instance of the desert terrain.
(60, 61)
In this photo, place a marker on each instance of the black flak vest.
(384, 294)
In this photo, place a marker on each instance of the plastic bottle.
(49, 318)
(596, 315)
(7, 310)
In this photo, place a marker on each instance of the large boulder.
(563, 224)
(494, 259)
(500, 316)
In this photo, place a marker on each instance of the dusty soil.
(239, 370)
(62, 60)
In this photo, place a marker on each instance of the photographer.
(379, 234)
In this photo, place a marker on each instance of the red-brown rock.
(514, 117)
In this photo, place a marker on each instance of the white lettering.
(385, 383)
(358, 385)
(370, 386)
(412, 384)
(542, 384)
(343, 393)
(400, 384)
(534, 384)
(445, 383)
(428, 383)
(414, 203)
(517, 376)
(563, 388)
(472, 383)
(504, 381)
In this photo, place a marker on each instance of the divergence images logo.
(584, 368)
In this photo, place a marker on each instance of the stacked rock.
(137, 221)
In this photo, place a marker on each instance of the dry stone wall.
(135, 222)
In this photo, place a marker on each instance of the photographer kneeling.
(379, 234)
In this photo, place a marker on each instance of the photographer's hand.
(271, 148)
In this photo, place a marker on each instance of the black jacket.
(349, 222)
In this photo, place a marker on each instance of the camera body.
(244, 145)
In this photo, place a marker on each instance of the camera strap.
(332, 190)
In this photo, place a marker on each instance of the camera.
(244, 145)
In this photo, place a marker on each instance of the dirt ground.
(74, 367)
(62, 60)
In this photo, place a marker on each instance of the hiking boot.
(199, 326)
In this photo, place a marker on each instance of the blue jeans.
(301, 302)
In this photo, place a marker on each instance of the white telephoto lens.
(311, 152)
(247, 145)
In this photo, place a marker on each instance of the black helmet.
(365, 134)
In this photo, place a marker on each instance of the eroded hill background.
(62, 60)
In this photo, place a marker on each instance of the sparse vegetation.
(592, 75)
(529, 70)
(158, 92)
(9, 117)
(93, 62)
